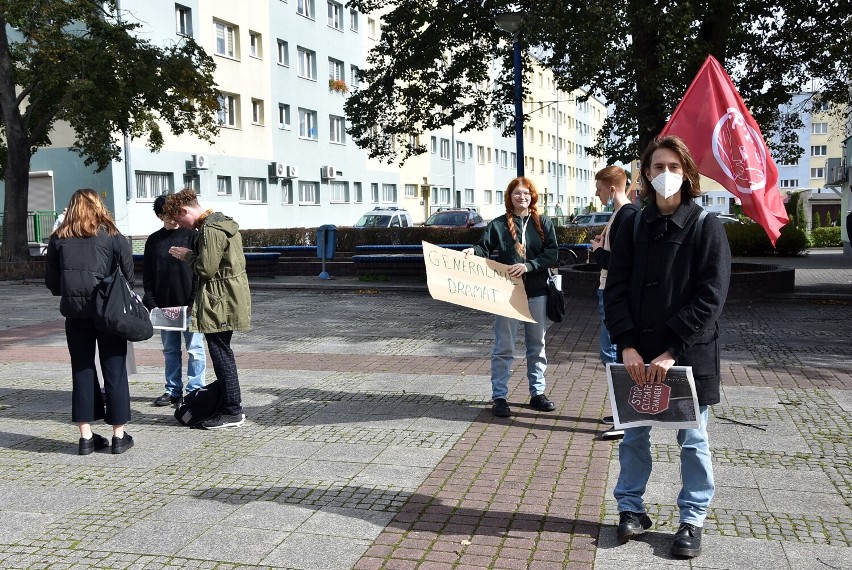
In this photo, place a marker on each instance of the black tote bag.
(118, 309)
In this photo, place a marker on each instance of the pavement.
(370, 443)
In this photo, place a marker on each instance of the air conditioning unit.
(328, 172)
(279, 169)
(292, 172)
(199, 161)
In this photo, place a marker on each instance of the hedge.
(826, 237)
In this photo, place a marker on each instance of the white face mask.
(667, 183)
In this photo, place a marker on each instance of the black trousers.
(225, 367)
(87, 401)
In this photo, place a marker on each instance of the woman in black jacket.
(80, 254)
(667, 283)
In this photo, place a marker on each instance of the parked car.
(728, 219)
(390, 217)
(456, 219)
(593, 219)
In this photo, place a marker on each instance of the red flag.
(727, 145)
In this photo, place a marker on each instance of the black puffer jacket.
(74, 267)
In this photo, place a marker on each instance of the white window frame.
(308, 124)
(818, 173)
(192, 181)
(337, 129)
(223, 186)
(374, 192)
(486, 197)
(149, 185)
(287, 192)
(229, 110)
(357, 193)
(183, 20)
(255, 45)
(306, 8)
(228, 34)
(284, 116)
(372, 28)
(335, 70)
(819, 150)
(445, 149)
(469, 196)
(252, 190)
(389, 193)
(411, 190)
(256, 112)
(339, 192)
(309, 193)
(335, 15)
(283, 53)
(353, 20)
(459, 151)
(307, 63)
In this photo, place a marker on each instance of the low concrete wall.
(22, 270)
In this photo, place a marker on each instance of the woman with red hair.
(526, 242)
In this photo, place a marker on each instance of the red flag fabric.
(727, 145)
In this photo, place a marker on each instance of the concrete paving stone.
(18, 525)
(812, 557)
(234, 544)
(843, 398)
(317, 552)
(269, 515)
(440, 425)
(815, 481)
(726, 553)
(752, 396)
(393, 476)
(313, 470)
(189, 509)
(779, 436)
(260, 465)
(153, 537)
(409, 456)
(727, 475)
(806, 502)
(49, 501)
(348, 523)
(290, 448)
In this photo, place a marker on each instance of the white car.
(593, 219)
(385, 218)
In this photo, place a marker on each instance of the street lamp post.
(511, 22)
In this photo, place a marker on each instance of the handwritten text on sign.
(474, 282)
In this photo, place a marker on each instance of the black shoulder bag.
(118, 309)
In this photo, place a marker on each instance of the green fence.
(39, 225)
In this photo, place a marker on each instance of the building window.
(306, 8)
(337, 129)
(229, 110)
(498, 196)
(192, 181)
(480, 154)
(468, 196)
(720, 200)
(790, 183)
(223, 185)
(335, 16)
(513, 160)
(149, 185)
(255, 45)
(371, 28)
(307, 64)
(183, 20)
(504, 158)
(486, 198)
(307, 124)
(374, 192)
(389, 193)
(817, 173)
(284, 116)
(253, 190)
(354, 74)
(226, 39)
(353, 20)
(256, 112)
(358, 192)
(444, 196)
(287, 192)
(819, 150)
(459, 152)
(445, 149)
(340, 192)
(283, 53)
(819, 128)
(335, 70)
(411, 190)
(820, 107)
(433, 145)
(309, 193)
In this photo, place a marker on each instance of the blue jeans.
(696, 471)
(505, 336)
(608, 349)
(196, 365)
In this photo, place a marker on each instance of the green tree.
(76, 61)
(817, 223)
(433, 64)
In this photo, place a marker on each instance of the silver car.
(593, 219)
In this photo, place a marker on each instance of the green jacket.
(223, 300)
(541, 255)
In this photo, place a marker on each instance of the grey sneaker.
(224, 421)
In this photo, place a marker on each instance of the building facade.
(283, 158)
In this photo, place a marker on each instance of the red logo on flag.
(650, 399)
(728, 146)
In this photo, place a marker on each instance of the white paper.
(672, 404)
(169, 318)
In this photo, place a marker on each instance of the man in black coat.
(168, 282)
(667, 283)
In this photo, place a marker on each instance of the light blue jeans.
(696, 471)
(196, 357)
(609, 352)
(505, 336)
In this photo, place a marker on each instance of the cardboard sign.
(474, 282)
(672, 404)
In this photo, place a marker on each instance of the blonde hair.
(510, 210)
(86, 215)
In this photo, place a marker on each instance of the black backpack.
(200, 405)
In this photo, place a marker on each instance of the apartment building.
(283, 158)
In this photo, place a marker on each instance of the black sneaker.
(122, 444)
(687, 541)
(167, 400)
(631, 525)
(501, 408)
(542, 404)
(94, 443)
(224, 421)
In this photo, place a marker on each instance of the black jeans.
(87, 401)
(225, 367)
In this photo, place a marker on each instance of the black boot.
(631, 525)
(687, 541)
